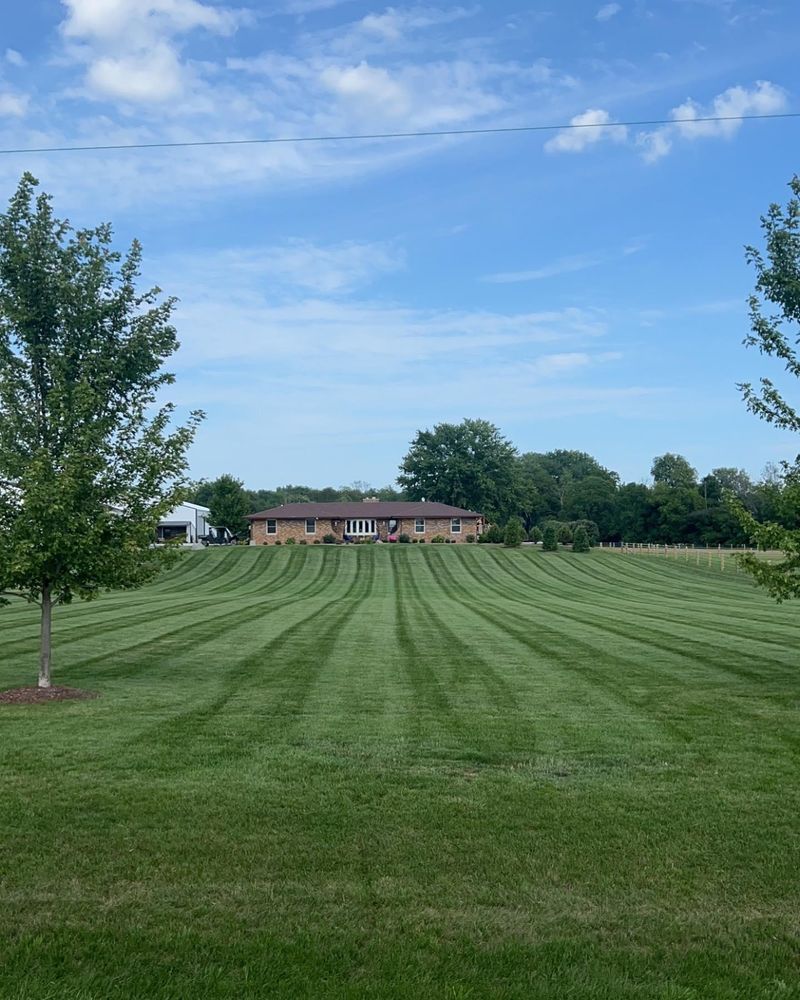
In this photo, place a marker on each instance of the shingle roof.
(377, 509)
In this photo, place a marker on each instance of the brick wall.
(297, 530)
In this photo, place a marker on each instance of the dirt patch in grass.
(36, 695)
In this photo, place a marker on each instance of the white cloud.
(138, 21)
(129, 47)
(13, 105)
(592, 127)
(763, 98)
(368, 85)
(395, 23)
(15, 58)
(608, 11)
(155, 75)
(311, 6)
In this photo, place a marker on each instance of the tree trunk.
(45, 644)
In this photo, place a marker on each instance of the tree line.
(473, 466)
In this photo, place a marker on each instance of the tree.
(228, 503)
(514, 533)
(88, 461)
(580, 540)
(550, 538)
(469, 465)
(673, 471)
(777, 283)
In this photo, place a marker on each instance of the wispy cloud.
(607, 11)
(14, 58)
(564, 265)
(324, 270)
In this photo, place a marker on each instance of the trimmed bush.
(592, 530)
(470, 539)
(303, 541)
(535, 535)
(550, 539)
(279, 542)
(421, 541)
(317, 541)
(580, 540)
(329, 539)
(437, 540)
(565, 534)
(514, 533)
(494, 536)
(291, 541)
(404, 539)
(414, 541)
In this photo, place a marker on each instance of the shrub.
(592, 530)
(291, 541)
(470, 539)
(580, 540)
(550, 538)
(329, 539)
(278, 542)
(535, 535)
(317, 541)
(438, 540)
(414, 541)
(565, 534)
(404, 539)
(514, 533)
(493, 536)
(303, 541)
(421, 541)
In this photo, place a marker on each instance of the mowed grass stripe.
(508, 802)
(547, 642)
(655, 630)
(669, 668)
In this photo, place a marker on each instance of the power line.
(391, 135)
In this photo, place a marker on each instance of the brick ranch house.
(375, 519)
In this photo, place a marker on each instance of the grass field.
(411, 772)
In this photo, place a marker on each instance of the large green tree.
(673, 471)
(469, 465)
(89, 459)
(227, 500)
(774, 322)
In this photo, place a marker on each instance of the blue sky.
(581, 289)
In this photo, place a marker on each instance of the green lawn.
(412, 772)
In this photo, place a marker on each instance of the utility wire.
(390, 135)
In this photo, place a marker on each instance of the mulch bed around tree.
(37, 695)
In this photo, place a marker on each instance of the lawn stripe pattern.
(406, 771)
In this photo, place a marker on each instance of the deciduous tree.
(89, 460)
(774, 320)
(469, 465)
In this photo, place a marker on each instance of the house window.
(361, 527)
(419, 526)
(311, 526)
(272, 526)
(455, 526)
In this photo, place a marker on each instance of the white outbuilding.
(187, 523)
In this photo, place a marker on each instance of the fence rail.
(712, 556)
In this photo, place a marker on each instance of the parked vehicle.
(218, 536)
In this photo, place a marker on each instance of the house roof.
(370, 508)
